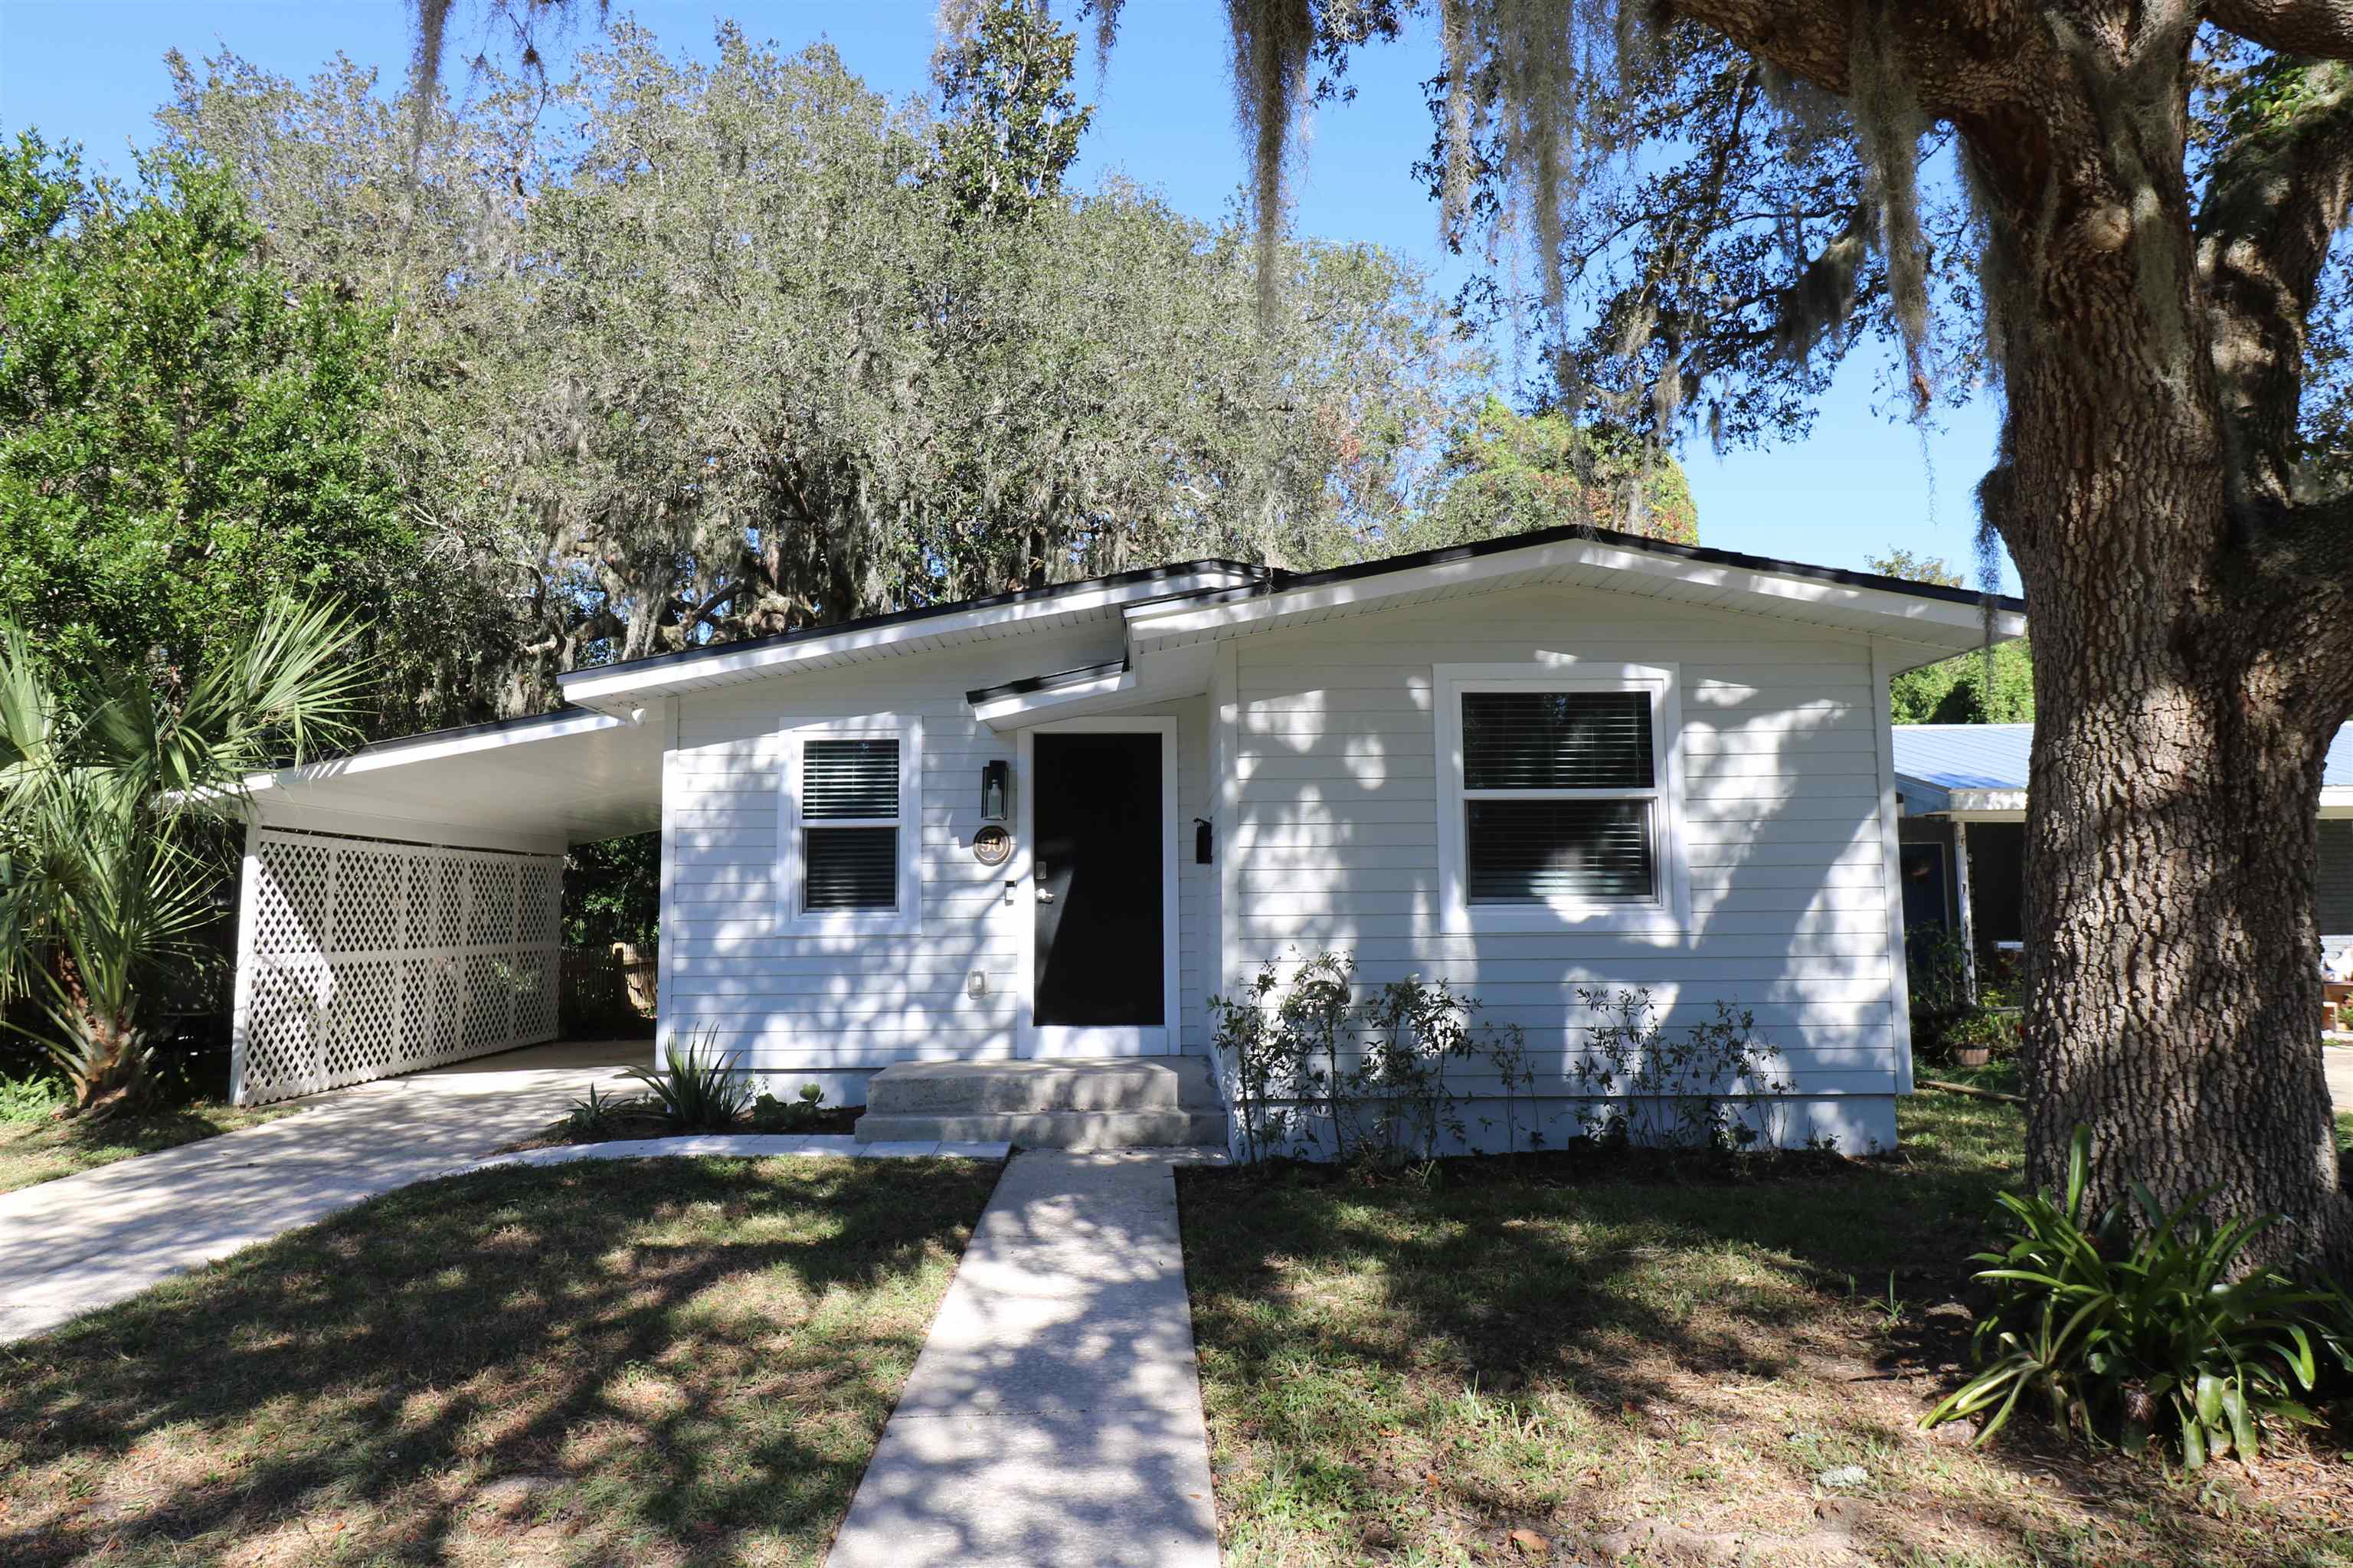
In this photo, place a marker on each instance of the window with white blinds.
(1548, 812)
(850, 813)
(851, 826)
(1556, 802)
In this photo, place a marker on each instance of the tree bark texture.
(2193, 626)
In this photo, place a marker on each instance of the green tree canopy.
(1958, 691)
(1508, 472)
(1992, 686)
(187, 431)
(688, 351)
(1012, 124)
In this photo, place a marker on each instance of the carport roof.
(1980, 771)
(537, 783)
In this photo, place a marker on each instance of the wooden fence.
(608, 992)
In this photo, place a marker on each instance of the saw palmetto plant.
(112, 788)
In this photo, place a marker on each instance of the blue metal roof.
(1993, 756)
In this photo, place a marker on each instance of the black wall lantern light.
(995, 791)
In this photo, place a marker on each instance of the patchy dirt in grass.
(575, 1365)
(48, 1147)
(1519, 1367)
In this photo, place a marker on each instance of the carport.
(1962, 788)
(399, 908)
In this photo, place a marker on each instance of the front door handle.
(1044, 896)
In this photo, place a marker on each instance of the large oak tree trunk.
(2172, 1005)
(2190, 615)
(2182, 701)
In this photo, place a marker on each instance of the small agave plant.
(698, 1090)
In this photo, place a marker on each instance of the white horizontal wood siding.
(1334, 824)
(800, 1007)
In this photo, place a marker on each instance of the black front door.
(1097, 817)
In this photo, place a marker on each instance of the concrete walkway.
(83, 1242)
(2339, 1059)
(1054, 1416)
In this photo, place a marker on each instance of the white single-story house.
(1052, 824)
(1963, 792)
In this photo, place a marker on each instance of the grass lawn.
(680, 1362)
(1661, 1371)
(43, 1149)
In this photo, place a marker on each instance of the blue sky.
(90, 70)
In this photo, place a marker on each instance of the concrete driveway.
(83, 1242)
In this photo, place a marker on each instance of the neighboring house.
(1963, 799)
(1052, 824)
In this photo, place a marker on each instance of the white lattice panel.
(360, 958)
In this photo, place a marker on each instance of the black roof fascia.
(922, 612)
(1030, 683)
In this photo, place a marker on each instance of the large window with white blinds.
(850, 826)
(1557, 801)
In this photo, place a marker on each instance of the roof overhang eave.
(1919, 797)
(1020, 710)
(611, 690)
(1937, 628)
(1977, 806)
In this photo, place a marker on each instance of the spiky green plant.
(107, 787)
(698, 1089)
(2141, 1324)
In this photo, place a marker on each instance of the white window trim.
(907, 918)
(1667, 914)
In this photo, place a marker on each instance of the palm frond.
(298, 684)
(289, 693)
(102, 896)
(28, 739)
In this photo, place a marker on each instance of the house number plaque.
(992, 845)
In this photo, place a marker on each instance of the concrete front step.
(1054, 1130)
(1124, 1103)
(1124, 1083)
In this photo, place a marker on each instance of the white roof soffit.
(1937, 628)
(568, 777)
(1923, 799)
(2010, 805)
(620, 686)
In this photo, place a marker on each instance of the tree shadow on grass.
(650, 1361)
(1342, 1324)
(41, 1151)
